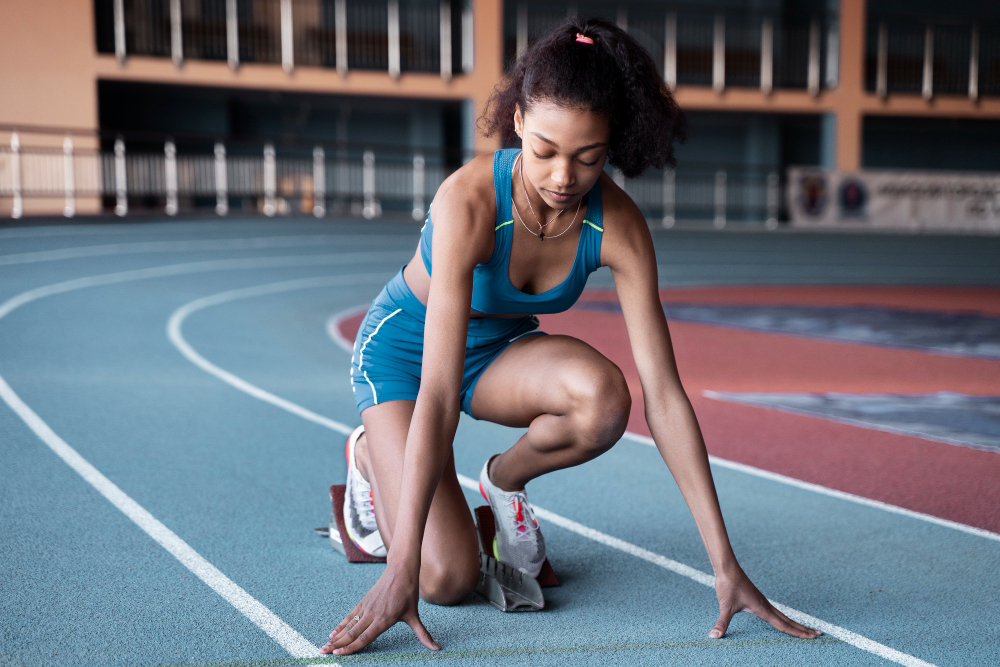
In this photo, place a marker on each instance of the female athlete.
(512, 235)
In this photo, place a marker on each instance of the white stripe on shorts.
(361, 353)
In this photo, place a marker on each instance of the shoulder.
(626, 233)
(470, 190)
(465, 205)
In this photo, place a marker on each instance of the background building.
(365, 105)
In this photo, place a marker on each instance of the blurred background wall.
(365, 105)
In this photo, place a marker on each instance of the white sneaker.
(518, 542)
(359, 505)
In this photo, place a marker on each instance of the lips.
(561, 198)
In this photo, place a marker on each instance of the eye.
(588, 164)
(541, 157)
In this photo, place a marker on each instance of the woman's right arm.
(458, 245)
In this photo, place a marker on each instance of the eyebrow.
(579, 150)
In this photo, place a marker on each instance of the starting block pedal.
(507, 588)
(337, 531)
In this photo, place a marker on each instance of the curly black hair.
(612, 76)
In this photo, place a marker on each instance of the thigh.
(539, 375)
(449, 536)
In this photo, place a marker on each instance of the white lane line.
(176, 322)
(843, 634)
(290, 640)
(683, 570)
(333, 325)
(256, 612)
(833, 493)
(258, 243)
(187, 268)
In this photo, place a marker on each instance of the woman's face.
(564, 151)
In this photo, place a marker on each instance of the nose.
(563, 175)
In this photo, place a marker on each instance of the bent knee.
(602, 403)
(449, 584)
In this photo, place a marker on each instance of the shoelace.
(365, 505)
(522, 512)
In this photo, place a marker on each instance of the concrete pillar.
(851, 89)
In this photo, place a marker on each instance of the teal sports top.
(492, 291)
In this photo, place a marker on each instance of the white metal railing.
(697, 47)
(933, 56)
(282, 180)
(392, 35)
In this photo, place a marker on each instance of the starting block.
(337, 529)
(507, 588)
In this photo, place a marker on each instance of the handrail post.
(340, 34)
(521, 28)
(720, 199)
(418, 187)
(669, 198)
(17, 209)
(927, 84)
(232, 34)
(370, 208)
(270, 180)
(119, 18)
(767, 55)
(445, 38)
(719, 53)
(221, 181)
(670, 51)
(394, 56)
(170, 175)
(773, 198)
(319, 182)
(287, 37)
(974, 64)
(468, 40)
(121, 179)
(176, 33)
(882, 62)
(812, 74)
(69, 178)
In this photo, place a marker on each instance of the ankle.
(361, 460)
(494, 471)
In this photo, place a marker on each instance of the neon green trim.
(588, 222)
(423, 228)
(503, 224)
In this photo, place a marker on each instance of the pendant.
(541, 235)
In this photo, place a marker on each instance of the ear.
(518, 120)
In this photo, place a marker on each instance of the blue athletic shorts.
(389, 347)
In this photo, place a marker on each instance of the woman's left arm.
(627, 248)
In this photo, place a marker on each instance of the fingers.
(356, 633)
(719, 629)
(347, 619)
(785, 624)
(421, 632)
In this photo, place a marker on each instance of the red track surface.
(944, 480)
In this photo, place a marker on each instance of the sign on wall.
(913, 200)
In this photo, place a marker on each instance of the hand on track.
(737, 593)
(393, 598)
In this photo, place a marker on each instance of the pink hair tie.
(583, 39)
